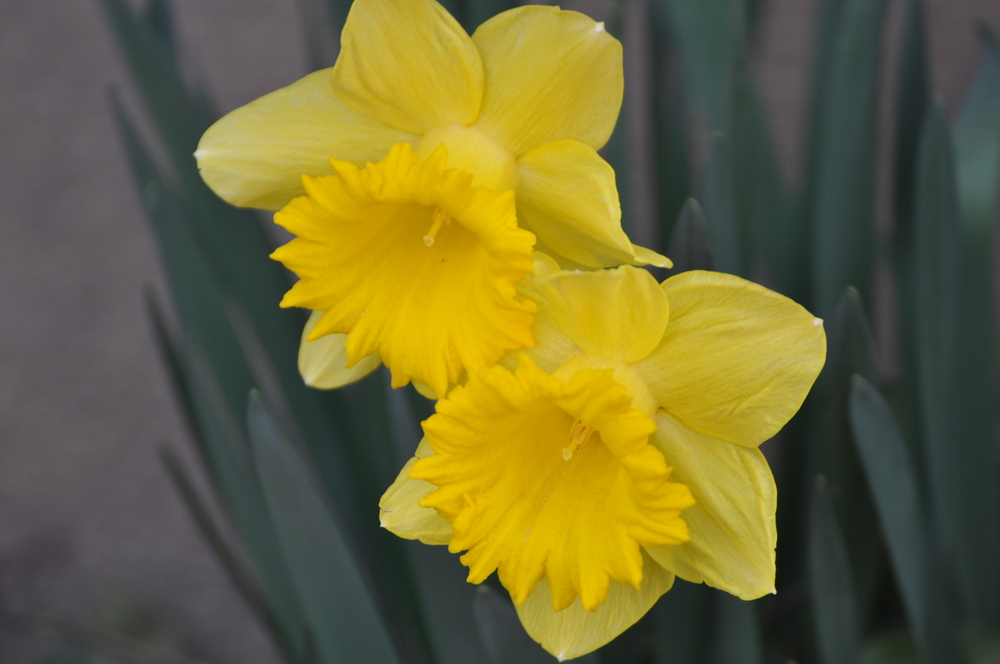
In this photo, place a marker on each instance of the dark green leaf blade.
(831, 583)
(338, 603)
(850, 351)
(501, 630)
(893, 483)
(691, 242)
(974, 398)
(841, 187)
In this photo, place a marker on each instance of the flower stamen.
(440, 219)
(579, 434)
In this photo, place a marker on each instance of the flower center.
(518, 508)
(491, 165)
(579, 434)
(440, 218)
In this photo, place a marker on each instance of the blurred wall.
(87, 515)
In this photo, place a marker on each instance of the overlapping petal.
(575, 631)
(409, 64)
(400, 511)
(566, 195)
(617, 315)
(323, 362)
(736, 360)
(732, 523)
(550, 75)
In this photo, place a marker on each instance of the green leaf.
(501, 630)
(720, 209)
(738, 638)
(742, 189)
(974, 398)
(841, 185)
(690, 242)
(683, 619)
(850, 350)
(893, 483)
(831, 583)
(445, 598)
(912, 102)
(673, 158)
(891, 649)
(703, 32)
(336, 596)
(241, 578)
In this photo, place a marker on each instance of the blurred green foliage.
(889, 512)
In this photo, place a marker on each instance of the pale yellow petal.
(617, 315)
(399, 512)
(574, 632)
(644, 256)
(323, 363)
(550, 75)
(409, 64)
(552, 347)
(737, 359)
(256, 155)
(566, 196)
(731, 524)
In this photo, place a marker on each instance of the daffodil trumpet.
(620, 452)
(521, 106)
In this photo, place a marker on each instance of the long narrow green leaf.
(691, 242)
(974, 396)
(505, 638)
(242, 580)
(718, 196)
(684, 624)
(214, 372)
(338, 603)
(742, 189)
(893, 482)
(841, 193)
(831, 584)
(673, 159)
(912, 101)
(850, 351)
(738, 638)
(936, 300)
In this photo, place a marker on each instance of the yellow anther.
(579, 434)
(440, 218)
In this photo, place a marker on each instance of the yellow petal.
(552, 347)
(256, 155)
(737, 359)
(550, 75)
(409, 260)
(323, 363)
(644, 256)
(617, 315)
(399, 512)
(731, 524)
(566, 196)
(545, 478)
(409, 64)
(574, 631)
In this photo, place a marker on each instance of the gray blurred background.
(90, 526)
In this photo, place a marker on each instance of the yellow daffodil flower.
(520, 106)
(617, 453)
